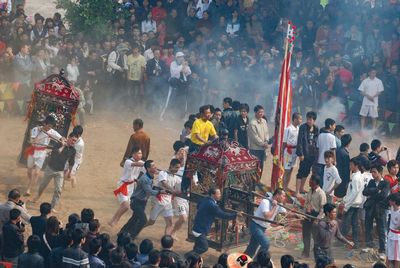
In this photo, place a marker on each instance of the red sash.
(289, 148)
(123, 189)
(30, 150)
(395, 231)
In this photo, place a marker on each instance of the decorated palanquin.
(231, 168)
(53, 96)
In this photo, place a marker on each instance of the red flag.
(283, 111)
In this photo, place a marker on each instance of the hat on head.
(122, 47)
(179, 54)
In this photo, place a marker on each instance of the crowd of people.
(167, 57)
(367, 195)
(164, 53)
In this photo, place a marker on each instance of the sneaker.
(382, 256)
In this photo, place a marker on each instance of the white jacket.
(354, 197)
(112, 60)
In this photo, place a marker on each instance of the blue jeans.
(258, 238)
(351, 217)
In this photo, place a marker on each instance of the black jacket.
(307, 142)
(57, 159)
(343, 166)
(13, 240)
(38, 224)
(377, 195)
(229, 117)
(153, 71)
(30, 260)
(75, 257)
(174, 256)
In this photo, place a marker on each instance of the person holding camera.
(14, 202)
(375, 157)
(13, 234)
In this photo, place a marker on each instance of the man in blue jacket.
(207, 211)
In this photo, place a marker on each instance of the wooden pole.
(287, 208)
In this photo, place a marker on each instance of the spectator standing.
(94, 227)
(149, 25)
(177, 93)
(374, 156)
(38, 32)
(393, 169)
(74, 256)
(229, 117)
(136, 68)
(331, 176)
(139, 139)
(326, 142)
(375, 206)
(116, 67)
(23, 67)
(167, 243)
(258, 135)
(339, 132)
(51, 238)
(290, 137)
(353, 201)
(145, 247)
(38, 223)
(32, 258)
(370, 89)
(343, 165)
(14, 202)
(241, 126)
(306, 150)
(13, 235)
(94, 250)
(156, 71)
(41, 66)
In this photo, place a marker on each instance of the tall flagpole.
(283, 110)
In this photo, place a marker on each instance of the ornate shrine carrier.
(54, 96)
(230, 167)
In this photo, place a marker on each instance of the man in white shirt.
(36, 153)
(326, 141)
(267, 209)
(79, 147)
(370, 88)
(289, 148)
(163, 202)
(133, 169)
(353, 200)
(180, 71)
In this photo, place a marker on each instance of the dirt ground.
(105, 136)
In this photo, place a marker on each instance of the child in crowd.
(331, 176)
(393, 169)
